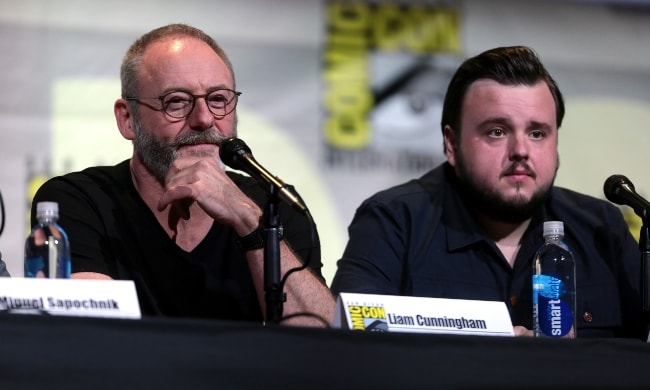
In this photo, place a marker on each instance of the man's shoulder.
(425, 187)
(92, 178)
(580, 206)
(402, 193)
(570, 198)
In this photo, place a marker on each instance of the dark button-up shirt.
(420, 239)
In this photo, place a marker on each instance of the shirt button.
(587, 316)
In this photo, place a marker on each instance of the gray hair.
(133, 58)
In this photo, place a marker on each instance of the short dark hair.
(133, 57)
(512, 65)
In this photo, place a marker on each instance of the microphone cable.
(2, 215)
(312, 240)
(2, 225)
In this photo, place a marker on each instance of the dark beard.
(157, 156)
(489, 202)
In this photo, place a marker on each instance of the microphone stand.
(644, 247)
(274, 296)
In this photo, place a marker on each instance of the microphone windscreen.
(230, 151)
(613, 186)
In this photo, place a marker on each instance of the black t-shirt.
(112, 231)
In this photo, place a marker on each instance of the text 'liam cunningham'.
(437, 322)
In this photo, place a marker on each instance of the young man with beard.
(469, 228)
(170, 218)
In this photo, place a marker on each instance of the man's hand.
(202, 180)
(521, 331)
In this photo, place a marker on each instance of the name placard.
(388, 313)
(70, 297)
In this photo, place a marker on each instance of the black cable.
(312, 238)
(312, 242)
(2, 215)
(2, 224)
(306, 314)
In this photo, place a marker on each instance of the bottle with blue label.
(554, 285)
(47, 249)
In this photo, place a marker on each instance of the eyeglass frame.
(163, 109)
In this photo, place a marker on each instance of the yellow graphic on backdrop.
(354, 31)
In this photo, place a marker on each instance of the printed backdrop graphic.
(385, 69)
(340, 98)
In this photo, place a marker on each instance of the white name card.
(70, 297)
(389, 313)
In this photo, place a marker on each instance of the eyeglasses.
(179, 104)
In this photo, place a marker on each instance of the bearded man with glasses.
(171, 218)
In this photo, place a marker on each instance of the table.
(91, 353)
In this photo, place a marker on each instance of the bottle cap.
(47, 209)
(553, 228)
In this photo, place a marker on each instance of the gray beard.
(158, 156)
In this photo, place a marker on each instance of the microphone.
(620, 190)
(237, 155)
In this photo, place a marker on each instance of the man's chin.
(516, 200)
(517, 208)
(200, 150)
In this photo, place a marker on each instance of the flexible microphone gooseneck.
(237, 155)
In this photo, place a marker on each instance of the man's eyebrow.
(495, 120)
(187, 90)
(507, 122)
(539, 125)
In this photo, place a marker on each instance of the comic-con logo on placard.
(368, 318)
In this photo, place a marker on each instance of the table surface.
(57, 352)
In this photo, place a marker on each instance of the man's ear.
(124, 119)
(450, 144)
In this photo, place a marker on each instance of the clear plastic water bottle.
(554, 285)
(47, 249)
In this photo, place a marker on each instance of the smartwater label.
(554, 315)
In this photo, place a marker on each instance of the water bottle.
(554, 285)
(47, 250)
